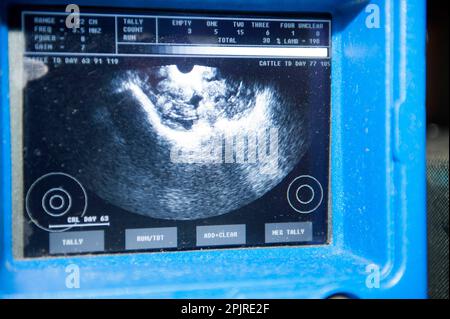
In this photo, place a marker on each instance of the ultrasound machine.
(212, 149)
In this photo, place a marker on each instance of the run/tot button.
(150, 238)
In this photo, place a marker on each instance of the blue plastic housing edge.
(377, 180)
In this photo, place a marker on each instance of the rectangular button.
(77, 242)
(288, 232)
(148, 238)
(220, 235)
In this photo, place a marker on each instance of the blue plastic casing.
(377, 179)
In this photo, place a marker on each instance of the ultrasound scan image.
(119, 135)
(174, 153)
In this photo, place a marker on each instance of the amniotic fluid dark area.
(170, 140)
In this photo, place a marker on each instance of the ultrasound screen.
(149, 131)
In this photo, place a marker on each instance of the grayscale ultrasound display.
(148, 131)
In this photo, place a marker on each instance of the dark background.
(437, 69)
(437, 148)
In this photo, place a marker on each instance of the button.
(221, 235)
(288, 232)
(305, 194)
(151, 238)
(53, 198)
(77, 242)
